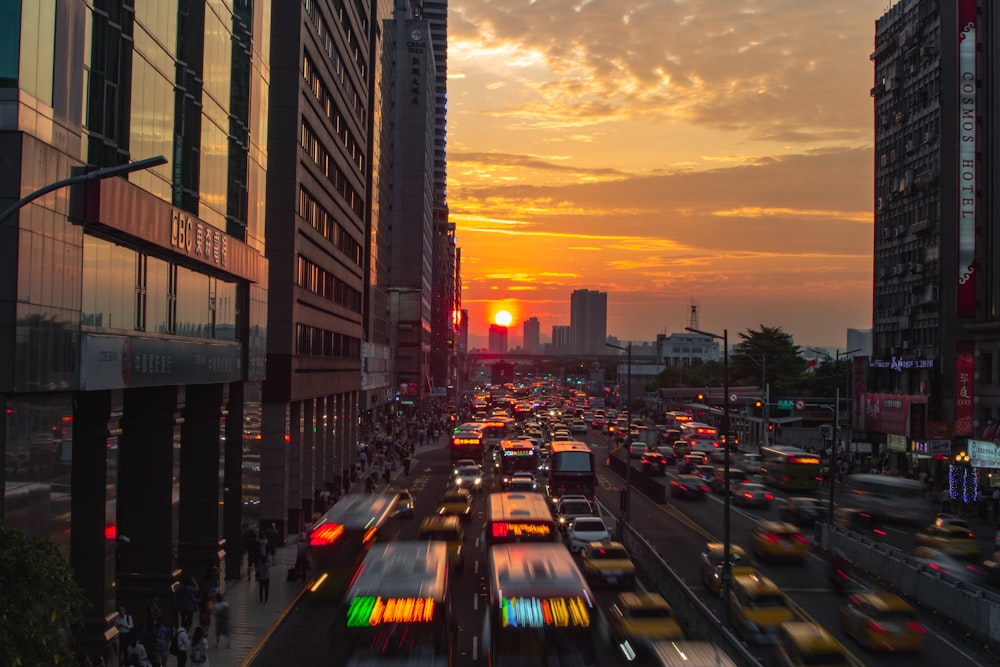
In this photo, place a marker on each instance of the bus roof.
(353, 511)
(535, 570)
(885, 481)
(518, 506)
(568, 446)
(785, 449)
(519, 443)
(403, 570)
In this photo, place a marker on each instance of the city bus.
(516, 456)
(397, 612)
(790, 468)
(889, 499)
(541, 610)
(496, 429)
(342, 536)
(516, 516)
(571, 469)
(467, 442)
(700, 437)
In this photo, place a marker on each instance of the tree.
(41, 605)
(769, 352)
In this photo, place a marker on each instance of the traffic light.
(701, 398)
(758, 404)
(770, 427)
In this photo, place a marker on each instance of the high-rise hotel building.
(931, 381)
(588, 321)
(134, 308)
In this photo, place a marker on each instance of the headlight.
(478, 480)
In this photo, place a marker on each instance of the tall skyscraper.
(135, 306)
(561, 338)
(531, 335)
(498, 339)
(588, 321)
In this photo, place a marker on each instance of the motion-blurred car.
(569, 509)
(942, 562)
(584, 530)
(636, 449)
(710, 565)
(736, 477)
(654, 463)
(758, 608)
(952, 539)
(943, 520)
(803, 644)
(461, 463)
(607, 563)
(705, 471)
(578, 426)
(404, 502)
(881, 621)
(638, 619)
(690, 461)
(750, 463)
(800, 510)
(445, 529)
(522, 481)
(991, 569)
(689, 487)
(752, 494)
(776, 540)
(859, 521)
(456, 502)
(468, 477)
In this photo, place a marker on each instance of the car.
(942, 520)
(607, 563)
(586, 529)
(461, 463)
(654, 463)
(801, 643)
(525, 482)
(758, 608)
(752, 494)
(569, 509)
(578, 426)
(859, 521)
(991, 569)
(598, 423)
(689, 462)
(404, 502)
(710, 565)
(751, 463)
(639, 619)
(469, 477)
(942, 562)
(800, 510)
(445, 529)
(669, 436)
(952, 539)
(690, 487)
(881, 621)
(682, 447)
(705, 472)
(636, 449)
(777, 540)
(718, 481)
(456, 502)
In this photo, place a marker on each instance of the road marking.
(475, 601)
(475, 647)
(475, 569)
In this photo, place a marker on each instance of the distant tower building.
(498, 339)
(532, 335)
(560, 338)
(588, 321)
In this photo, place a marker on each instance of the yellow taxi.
(954, 540)
(801, 644)
(881, 621)
(445, 529)
(456, 502)
(710, 565)
(777, 540)
(639, 619)
(758, 608)
(608, 563)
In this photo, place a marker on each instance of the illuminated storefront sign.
(508, 529)
(544, 612)
(366, 611)
(967, 158)
(984, 454)
(965, 370)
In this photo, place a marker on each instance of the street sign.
(733, 398)
(785, 404)
(800, 405)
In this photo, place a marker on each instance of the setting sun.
(503, 318)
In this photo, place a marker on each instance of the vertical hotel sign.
(965, 368)
(967, 158)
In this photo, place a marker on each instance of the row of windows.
(333, 113)
(317, 151)
(322, 343)
(326, 39)
(323, 222)
(327, 285)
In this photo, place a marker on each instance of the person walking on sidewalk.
(264, 578)
(221, 612)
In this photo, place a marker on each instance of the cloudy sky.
(670, 153)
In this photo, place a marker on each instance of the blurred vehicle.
(607, 563)
(468, 477)
(689, 654)
(522, 481)
(654, 463)
(801, 644)
(705, 471)
(758, 608)
(461, 463)
(752, 494)
(578, 426)
(584, 530)
(881, 621)
(446, 529)
(668, 436)
(710, 565)
(800, 510)
(790, 468)
(952, 539)
(639, 619)
(736, 477)
(944, 520)
(859, 521)
(598, 423)
(991, 569)
(636, 449)
(936, 560)
(404, 502)
(456, 502)
(690, 487)
(750, 463)
(776, 540)
(568, 509)
(681, 447)
(689, 462)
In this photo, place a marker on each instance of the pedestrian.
(273, 540)
(301, 556)
(263, 549)
(183, 645)
(186, 601)
(126, 627)
(251, 550)
(264, 579)
(137, 655)
(221, 612)
(199, 647)
(160, 642)
(205, 608)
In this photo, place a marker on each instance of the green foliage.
(771, 354)
(40, 602)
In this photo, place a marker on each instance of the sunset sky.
(668, 152)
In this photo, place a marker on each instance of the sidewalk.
(252, 621)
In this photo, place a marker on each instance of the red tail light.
(747, 494)
(769, 496)
(800, 538)
(704, 489)
(876, 627)
(325, 535)
(972, 536)
(772, 538)
(916, 627)
(879, 532)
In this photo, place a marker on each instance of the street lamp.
(96, 175)
(836, 423)
(727, 571)
(763, 440)
(628, 411)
